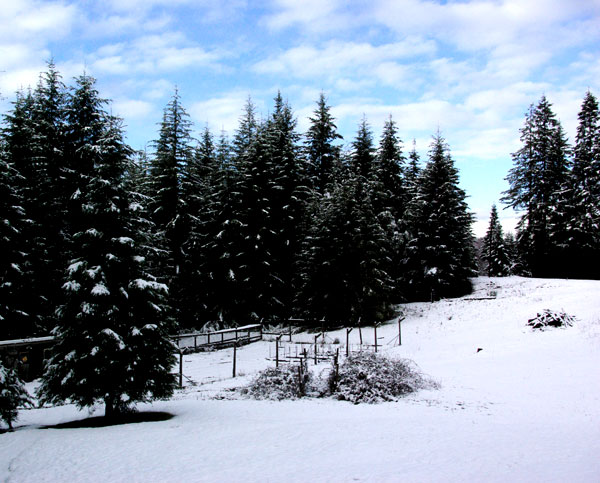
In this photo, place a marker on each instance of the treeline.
(267, 225)
(556, 186)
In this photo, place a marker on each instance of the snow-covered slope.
(526, 407)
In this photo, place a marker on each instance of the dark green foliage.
(494, 251)
(15, 322)
(13, 395)
(346, 258)
(111, 337)
(539, 170)
(390, 171)
(323, 155)
(439, 255)
(575, 220)
(35, 139)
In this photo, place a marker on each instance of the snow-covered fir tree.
(345, 259)
(322, 152)
(173, 151)
(35, 147)
(15, 322)
(347, 254)
(112, 342)
(13, 395)
(390, 169)
(539, 171)
(439, 255)
(575, 220)
(362, 157)
(412, 173)
(494, 251)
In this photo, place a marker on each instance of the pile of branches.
(551, 318)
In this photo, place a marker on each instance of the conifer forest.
(262, 224)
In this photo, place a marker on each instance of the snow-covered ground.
(526, 407)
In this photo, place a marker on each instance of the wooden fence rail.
(221, 338)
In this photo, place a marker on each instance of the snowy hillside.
(514, 405)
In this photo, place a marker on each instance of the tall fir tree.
(47, 191)
(362, 158)
(575, 231)
(111, 338)
(346, 255)
(539, 171)
(322, 152)
(412, 173)
(439, 255)
(390, 169)
(173, 153)
(494, 250)
(15, 322)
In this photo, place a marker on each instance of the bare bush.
(277, 383)
(372, 378)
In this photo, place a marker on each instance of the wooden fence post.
(375, 328)
(348, 341)
(316, 347)
(180, 368)
(277, 339)
(234, 357)
(400, 319)
(360, 331)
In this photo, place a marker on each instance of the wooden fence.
(221, 338)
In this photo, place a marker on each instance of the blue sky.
(470, 68)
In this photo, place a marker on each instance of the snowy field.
(526, 407)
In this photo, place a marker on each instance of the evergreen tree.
(539, 171)
(200, 178)
(439, 255)
(111, 339)
(362, 159)
(575, 231)
(168, 206)
(254, 265)
(14, 295)
(494, 250)
(323, 155)
(289, 200)
(516, 266)
(412, 173)
(12, 395)
(390, 170)
(247, 130)
(35, 143)
(345, 259)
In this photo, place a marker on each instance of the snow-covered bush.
(12, 395)
(371, 378)
(276, 383)
(550, 318)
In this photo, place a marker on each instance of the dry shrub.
(371, 378)
(277, 383)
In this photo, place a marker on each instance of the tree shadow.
(102, 421)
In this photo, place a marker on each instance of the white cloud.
(133, 109)
(312, 15)
(151, 54)
(223, 112)
(336, 58)
(30, 20)
(485, 24)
